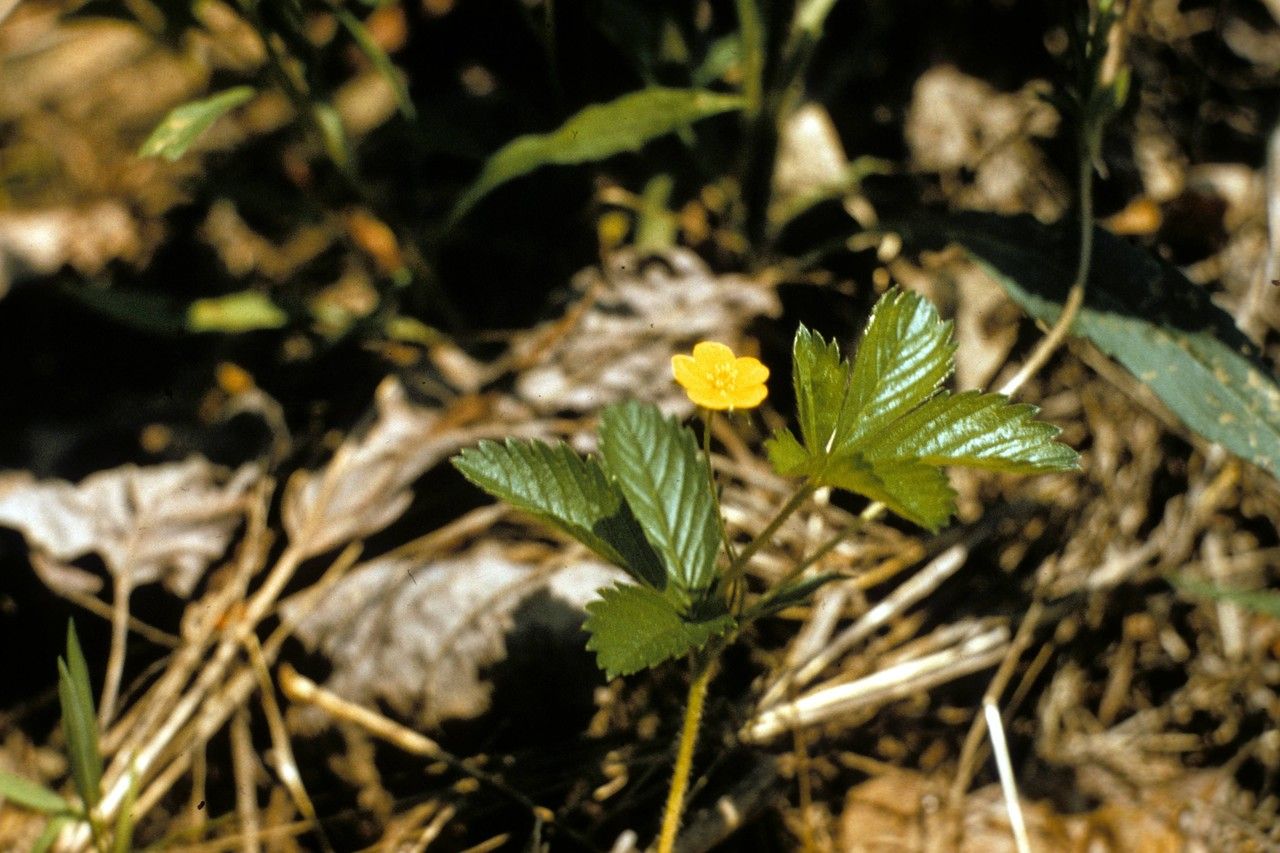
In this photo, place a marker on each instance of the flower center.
(724, 377)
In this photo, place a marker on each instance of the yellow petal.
(749, 398)
(684, 369)
(750, 371)
(708, 354)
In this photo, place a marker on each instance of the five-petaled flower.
(715, 378)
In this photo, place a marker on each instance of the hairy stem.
(704, 666)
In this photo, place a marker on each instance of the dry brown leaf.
(162, 522)
(417, 634)
(365, 486)
(641, 311)
(957, 124)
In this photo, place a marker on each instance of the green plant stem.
(708, 416)
(1075, 296)
(752, 45)
(704, 666)
(738, 566)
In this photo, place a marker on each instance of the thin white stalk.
(1009, 785)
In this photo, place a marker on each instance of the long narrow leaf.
(658, 468)
(376, 55)
(52, 830)
(596, 133)
(81, 732)
(556, 485)
(185, 124)
(23, 792)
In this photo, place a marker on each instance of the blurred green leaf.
(376, 55)
(1265, 601)
(1165, 330)
(722, 55)
(122, 841)
(596, 133)
(559, 487)
(32, 795)
(634, 628)
(184, 124)
(657, 466)
(333, 135)
(246, 311)
(81, 732)
(52, 830)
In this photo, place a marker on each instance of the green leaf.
(246, 311)
(634, 628)
(376, 55)
(821, 380)
(81, 732)
(122, 839)
(32, 795)
(794, 593)
(184, 124)
(556, 485)
(596, 133)
(902, 360)
(656, 464)
(1165, 330)
(881, 425)
(50, 834)
(914, 490)
(1265, 601)
(977, 431)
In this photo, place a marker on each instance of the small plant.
(80, 728)
(879, 425)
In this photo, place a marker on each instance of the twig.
(974, 654)
(968, 752)
(245, 765)
(921, 584)
(995, 726)
(121, 590)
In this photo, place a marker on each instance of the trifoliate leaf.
(556, 485)
(634, 628)
(881, 425)
(656, 464)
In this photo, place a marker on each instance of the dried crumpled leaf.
(958, 125)
(417, 634)
(898, 811)
(639, 310)
(162, 522)
(365, 486)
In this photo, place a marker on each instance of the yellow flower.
(715, 379)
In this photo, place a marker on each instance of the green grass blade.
(32, 795)
(80, 728)
(596, 133)
(186, 123)
(376, 55)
